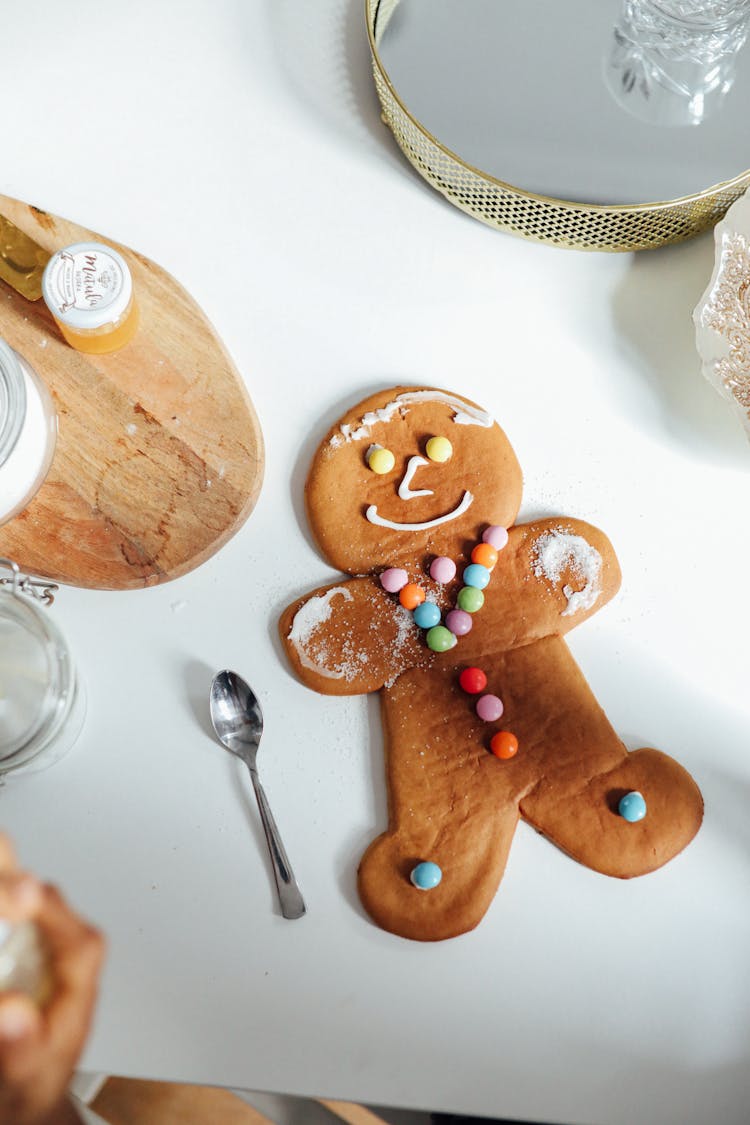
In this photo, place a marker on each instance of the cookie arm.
(349, 638)
(552, 575)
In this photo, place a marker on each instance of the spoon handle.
(290, 898)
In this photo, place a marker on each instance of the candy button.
(426, 615)
(439, 449)
(473, 680)
(476, 575)
(470, 599)
(489, 708)
(393, 579)
(459, 622)
(443, 569)
(380, 460)
(632, 807)
(496, 536)
(440, 639)
(426, 876)
(504, 744)
(411, 596)
(484, 554)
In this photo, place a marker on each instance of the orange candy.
(411, 595)
(504, 744)
(484, 554)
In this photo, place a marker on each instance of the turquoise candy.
(440, 639)
(632, 807)
(426, 615)
(426, 876)
(470, 598)
(476, 575)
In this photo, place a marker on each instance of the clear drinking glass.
(672, 62)
(42, 703)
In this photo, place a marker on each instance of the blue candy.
(425, 876)
(632, 807)
(426, 615)
(476, 575)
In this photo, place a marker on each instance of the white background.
(240, 146)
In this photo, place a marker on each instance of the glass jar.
(28, 430)
(42, 703)
(88, 289)
(672, 62)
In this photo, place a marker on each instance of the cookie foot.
(586, 823)
(471, 862)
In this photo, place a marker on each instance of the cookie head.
(407, 472)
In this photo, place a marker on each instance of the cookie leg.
(471, 857)
(585, 822)
(448, 806)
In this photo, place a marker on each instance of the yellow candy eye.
(380, 460)
(439, 449)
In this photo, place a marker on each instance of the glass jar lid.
(12, 401)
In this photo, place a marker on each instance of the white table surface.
(239, 144)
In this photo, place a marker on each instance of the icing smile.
(372, 515)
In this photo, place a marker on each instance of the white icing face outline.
(406, 492)
(463, 506)
(464, 414)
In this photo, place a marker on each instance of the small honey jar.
(89, 291)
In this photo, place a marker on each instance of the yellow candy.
(439, 449)
(380, 460)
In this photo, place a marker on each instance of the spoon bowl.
(237, 718)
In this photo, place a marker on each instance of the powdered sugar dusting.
(307, 620)
(559, 550)
(404, 630)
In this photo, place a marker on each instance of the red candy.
(504, 744)
(473, 680)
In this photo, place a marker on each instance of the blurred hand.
(39, 1049)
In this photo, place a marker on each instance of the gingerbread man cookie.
(459, 624)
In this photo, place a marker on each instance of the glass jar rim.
(699, 24)
(12, 400)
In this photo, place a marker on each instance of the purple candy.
(393, 579)
(459, 622)
(443, 569)
(496, 536)
(489, 708)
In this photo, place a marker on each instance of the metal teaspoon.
(238, 722)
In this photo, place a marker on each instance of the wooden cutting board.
(159, 457)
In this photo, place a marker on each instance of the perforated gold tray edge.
(540, 218)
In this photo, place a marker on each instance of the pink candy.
(459, 622)
(393, 579)
(489, 708)
(443, 569)
(496, 536)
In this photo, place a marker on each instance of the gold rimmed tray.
(531, 214)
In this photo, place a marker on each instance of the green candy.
(470, 599)
(440, 639)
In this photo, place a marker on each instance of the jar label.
(87, 284)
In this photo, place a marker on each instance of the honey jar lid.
(87, 285)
